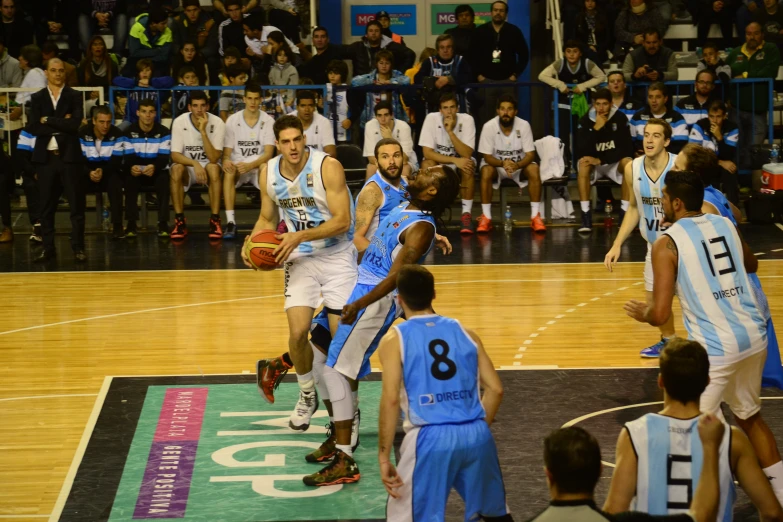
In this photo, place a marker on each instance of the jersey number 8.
(441, 358)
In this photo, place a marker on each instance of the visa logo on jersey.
(428, 399)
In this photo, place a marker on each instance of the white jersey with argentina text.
(302, 204)
(440, 372)
(392, 196)
(434, 136)
(246, 142)
(493, 140)
(719, 306)
(319, 134)
(649, 198)
(385, 244)
(337, 103)
(186, 138)
(669, 459)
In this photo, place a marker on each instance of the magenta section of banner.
(166, 485)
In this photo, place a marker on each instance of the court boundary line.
(65, 490)
(8, 399)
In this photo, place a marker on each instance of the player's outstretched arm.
(366, 205)
(630, 221)
(418, 238)
(268, 217)
(748, 257)
(704, 506)
(623, 486)
(490, 381)
(391, 362)
(664, 262)
(752, 479)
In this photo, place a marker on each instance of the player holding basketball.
(703, 259)
(447, 443)
(196, 148)
(646, 174)
(659, 454)
(249, 143)
(403, 238)
(309, 188)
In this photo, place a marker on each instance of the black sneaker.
(118, 232)
(327, 449)
(587, 222)
(231, 230)
(130, 230)
(163, 229)
(36, 236)
(342, 470)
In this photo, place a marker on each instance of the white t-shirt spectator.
(401, 132)
(186, 138)
(257, 45)
(514, 146)
(34, 79)
(319, 134)
(434, 136)
(247, 143)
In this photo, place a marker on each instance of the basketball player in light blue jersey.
(433, 368)
(659, 455)
(403, 238)
(308, 188)
(704, 162)
(702, 258)
(646, 174)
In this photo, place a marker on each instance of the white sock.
(345, 449)
(486, 209)
(355, 395)
(467, 206)
(585, 206)
(775, 475)
(535, 208)
(230, 216)
(306, 382)
(624, 205)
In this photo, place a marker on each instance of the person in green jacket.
(755, 59)
(150, 38)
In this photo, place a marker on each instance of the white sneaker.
(357, 419)
(305, 407)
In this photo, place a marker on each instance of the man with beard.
(507, 152)
(696, 106)
(605, 149)
(657, 97)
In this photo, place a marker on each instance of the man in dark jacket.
(16, 31)
(362, 53)
(196, 25)
(231, 33)
(103, 146)
(720, 135)
(463, 32)
(446, 71)
(150, 38)
(653, 62)
(148, 147)
(605, 148)
(325, 52)
(103, 15)
(57, 18)
(55, 116)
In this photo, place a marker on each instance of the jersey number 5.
(682, 463)
(441, 358)
(726, 253)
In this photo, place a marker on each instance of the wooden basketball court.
(62, 333)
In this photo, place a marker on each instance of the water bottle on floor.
(774, 154)
(608, 214)
(507, 223)
(106, 220)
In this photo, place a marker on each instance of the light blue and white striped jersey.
(392, 197)
(669, 458)
(719, 306)
(649, 198)
(302, 204)
(701, 135)
(440, 372)
(716, 198)
(26, 142)
(112, 145)
(385, 244)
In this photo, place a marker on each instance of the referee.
(55, 116)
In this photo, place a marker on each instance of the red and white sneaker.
(180, 230)
(484, 224)
(467, 224)
(537, 223)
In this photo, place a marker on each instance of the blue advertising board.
(403, 18)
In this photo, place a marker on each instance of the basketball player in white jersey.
(309, 188)
(702, 258)
(507, 152)
(646, 174)
(249, 143)
(317, 128)
(647, 445)
(447, 138)
(196, 149)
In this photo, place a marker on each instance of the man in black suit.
(55, 117)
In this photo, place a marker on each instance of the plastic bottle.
(106, 220)
(608, 214)
(507, 223)
(774, 154)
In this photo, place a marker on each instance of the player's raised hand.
(711, 429)
(244, 254)
(611, 258)
(350, 311)
(443, 243)
(288, 243)
(636, 310)
(391, 481)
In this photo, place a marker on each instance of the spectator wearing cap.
(385, 20)
(362, 53)
(325, 52)
(50, 50)
(283, 15)
(444, 72)
(150, 38)
(463, 32)
(10, 72)
(103, 15)
(198, 26)
(16, 31)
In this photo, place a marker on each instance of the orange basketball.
(259, 250)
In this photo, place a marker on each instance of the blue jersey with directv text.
(385, 244)
(716, 198)
(393, 197)
(440, 372)
(649, 198)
